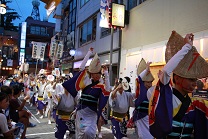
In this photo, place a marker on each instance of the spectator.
(5, 133)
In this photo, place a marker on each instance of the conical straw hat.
(95, 66)
(192, 65)
(175, 43)
(142, 66)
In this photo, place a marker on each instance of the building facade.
(150, 25)
(8, 52)
(80, 30)
(36, 31)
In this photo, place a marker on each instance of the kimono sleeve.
(161, 111)
(76, 83)
(201, 118)
(142, 93)
(103, 99)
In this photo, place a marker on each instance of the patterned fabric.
(71, 125)
(142, 97)
(161, 125)
(119, 129)
(86, 118)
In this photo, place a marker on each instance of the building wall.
(100, 45)
(153, 21)
(150, 26)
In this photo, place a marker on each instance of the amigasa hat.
(192, 65)
(95, 66)
(141, 67)
(175, 43)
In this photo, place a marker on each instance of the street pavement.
(43, 130)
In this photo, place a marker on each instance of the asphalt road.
(43, 130)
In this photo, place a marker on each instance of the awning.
(50, 5)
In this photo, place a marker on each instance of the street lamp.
(42, 59)
(72, 52)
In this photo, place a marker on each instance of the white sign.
(52, 49)
(2, 10)
(38, 50)
(9, 63)
(104, 13)
(118, 13)
(59, 51)
(23, 34)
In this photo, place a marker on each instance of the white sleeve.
(3, 124)
(84, 61)
(150, 92)
(173, 63)
(112, 102)
(143, 73)
(107, 81)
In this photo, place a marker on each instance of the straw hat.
(175, 43)
(192, 65)
(142, 66)
(95, 66)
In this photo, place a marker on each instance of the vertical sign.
(104, 13)
(23, 34)
(22, 56)
(42, 50)
(118, 13)
(52, 49)
(59, 50)
(38, 50)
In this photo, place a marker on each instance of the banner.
(38, 50)
(59, 52)
(52, 49)
(104, 13)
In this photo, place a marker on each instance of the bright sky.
(24, 9)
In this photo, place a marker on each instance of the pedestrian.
(93, 98)
(120, 101)
(140, 114)
(41, 105)
(172, 113)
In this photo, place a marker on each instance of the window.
(106, 31)
(82, 2)
(38, 30)
(88, 31)
(134, 3)
(72, 15)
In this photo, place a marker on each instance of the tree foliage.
(9, 17)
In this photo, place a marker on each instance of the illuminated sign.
(23, 34)
(104, 13)
(118, 15)
(2, 10)
(22, 56)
